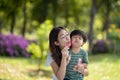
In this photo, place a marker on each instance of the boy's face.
(77, 41)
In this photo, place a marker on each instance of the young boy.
(79, 57)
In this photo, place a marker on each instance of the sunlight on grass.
(101, 67)
(104, 67)
(21, 69)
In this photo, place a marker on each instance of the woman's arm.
(59, 71)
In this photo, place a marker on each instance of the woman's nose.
(68, 38)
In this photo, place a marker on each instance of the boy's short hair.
(79, 32)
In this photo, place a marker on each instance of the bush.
(34, 50)
(102, 46)
(114, 32)
(43, 36)
(11, 45)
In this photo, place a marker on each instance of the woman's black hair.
(55, 50)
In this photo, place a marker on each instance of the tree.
(54, 11)
(40, 10)
(95, 7)
(25, 18)
(1, 24)
(108, 9)
(10, 9)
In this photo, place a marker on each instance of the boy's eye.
(80, 38)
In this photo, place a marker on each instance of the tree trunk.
(12, 22)
(0, 29)
(76, 17)
(54, 6)
(44, 10)
(1, 22)
(91, 32)
(66, 13)
(25, 19)
(107, 18)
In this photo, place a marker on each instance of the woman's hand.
(68, 58)
(65, 54)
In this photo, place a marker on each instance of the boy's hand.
(79, 68)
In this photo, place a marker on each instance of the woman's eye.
(63, 36)
(67, 34)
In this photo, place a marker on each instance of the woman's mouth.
(68, 44)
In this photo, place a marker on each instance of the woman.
(59, 58)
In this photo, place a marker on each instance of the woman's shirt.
(48, 63)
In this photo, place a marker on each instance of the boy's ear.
(83, 43)
(56, 43)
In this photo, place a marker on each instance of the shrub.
(102, 46)
(11, 45)
(113, 32)
(34, 50)
(43, 36)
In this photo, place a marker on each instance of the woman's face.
(63, 38)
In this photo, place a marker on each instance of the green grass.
(23, 69)
(104, 67)
(101, 67)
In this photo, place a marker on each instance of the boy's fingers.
(74, 69)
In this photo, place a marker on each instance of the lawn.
(101, 67)
(23, 69)
(104, 67)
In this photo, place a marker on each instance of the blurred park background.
(25, 27)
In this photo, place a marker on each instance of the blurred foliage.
(10, 7)
(41, 48)
(114, 32)
(38, 12)
(12, 45)
(43, 36)
(41, 15)
(102, 46)
(34, 50)
(114, 35)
